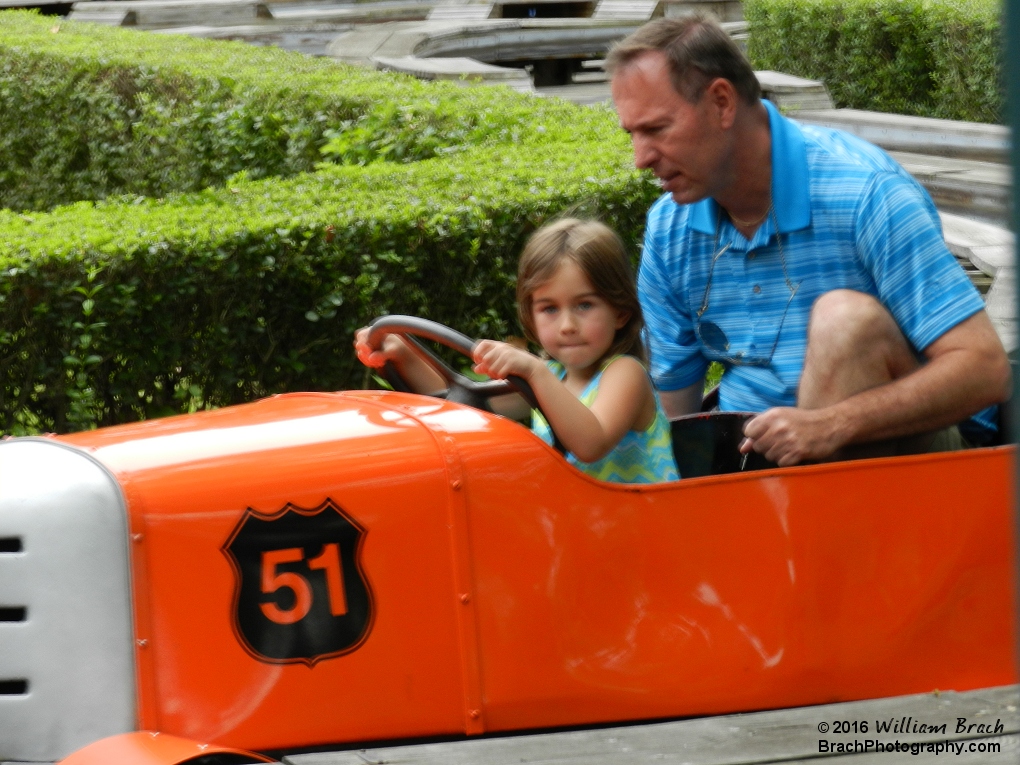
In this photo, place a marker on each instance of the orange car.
(321, 568)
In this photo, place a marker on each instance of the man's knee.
(850, 320)
(853, 327)
(854, 344)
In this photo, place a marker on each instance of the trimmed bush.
(88, 111)
(161, 298)
(139, 308)
(931, 58)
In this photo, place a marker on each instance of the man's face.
(684, 144)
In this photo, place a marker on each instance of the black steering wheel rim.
(460, 388)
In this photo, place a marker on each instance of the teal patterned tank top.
(640, 457)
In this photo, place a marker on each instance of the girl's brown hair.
(600, 254)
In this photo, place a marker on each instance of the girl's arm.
(624, 402)
(424, 379)
(415, 372)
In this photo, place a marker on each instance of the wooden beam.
(778, 736)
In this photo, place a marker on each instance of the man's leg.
(854, 344)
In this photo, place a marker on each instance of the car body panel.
(196, 678)
(154, 748)
(511, 591)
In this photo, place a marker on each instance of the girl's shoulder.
(623, 361)
(625, 370)
(625, 378)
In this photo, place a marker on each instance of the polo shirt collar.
(790, 190)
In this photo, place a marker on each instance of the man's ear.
(723, 99)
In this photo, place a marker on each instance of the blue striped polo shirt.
(848, 216)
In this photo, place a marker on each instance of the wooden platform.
(308, 38)
(921, 135)
(967, 187)
(353, 12)
(465, 71)
(793, 94)
(493, 41)
(461, 11)
(170, 13)
(642, 10)
(251, 21)
(724, 10)
(781, 736)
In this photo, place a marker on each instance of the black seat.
(708, 443)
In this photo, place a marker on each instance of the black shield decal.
(299, 592)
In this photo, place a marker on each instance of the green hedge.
(138, 306)
(118, 311)
(932, 58)
(88, 111)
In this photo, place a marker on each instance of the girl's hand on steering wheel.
(500, 360)
(393, 349)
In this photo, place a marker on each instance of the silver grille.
(66, 654)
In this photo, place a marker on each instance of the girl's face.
(573, 323)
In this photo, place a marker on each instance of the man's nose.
(644, 155)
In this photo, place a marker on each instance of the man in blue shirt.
(805, 260)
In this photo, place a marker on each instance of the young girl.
(576, 298)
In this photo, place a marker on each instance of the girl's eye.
(585, 305)
(548, 309)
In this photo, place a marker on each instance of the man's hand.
(788, 436)
(862, 382)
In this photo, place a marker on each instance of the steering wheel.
(459, 388)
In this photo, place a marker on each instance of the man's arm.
(677, 403)
(673, 347)
(862, 381)
(966, 371)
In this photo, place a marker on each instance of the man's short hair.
(698, 51)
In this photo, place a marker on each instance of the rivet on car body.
(456, 485)
(465, 598)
